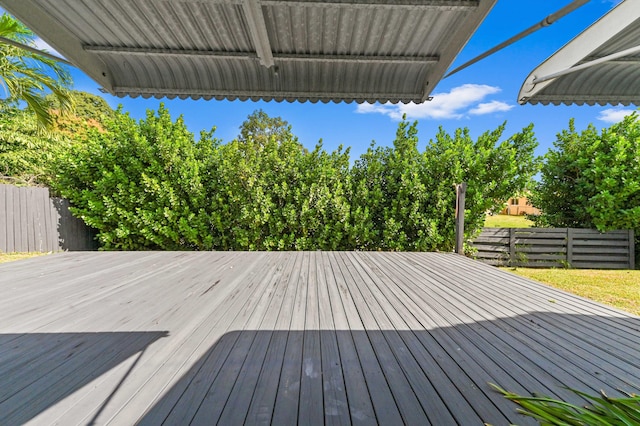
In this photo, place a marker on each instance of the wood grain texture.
(31, 221)
(555, 248)
(294, 338)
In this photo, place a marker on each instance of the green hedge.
(151, 185)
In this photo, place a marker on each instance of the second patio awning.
(600, 66)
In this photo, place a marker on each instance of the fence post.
(512, 247)
(570, 247)
(632, 250)
(461, 190)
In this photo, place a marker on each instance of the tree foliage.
(89, 111)
(277, 196)
(28, 155)
(494, 170)
(28, 76)
(139, 184)
(259, 128)
(150, 185)
(591, 179)
(405, 200)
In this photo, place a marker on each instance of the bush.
(28, 153)
(150, 185)
(405, 200)
(591, 179)
(139, 184)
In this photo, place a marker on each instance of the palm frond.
(28, 76)
(603, 410)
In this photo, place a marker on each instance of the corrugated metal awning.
(600, 66)
(338, 50)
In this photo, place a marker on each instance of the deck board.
(298, 337)
(482, 330)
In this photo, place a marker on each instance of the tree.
(149, 185)
(591, 179)
(405, 200)
(140, 184)
(494, 170)
(89, 111)
(259, 128)
(27, 76)
(270, 193)
(28, 155)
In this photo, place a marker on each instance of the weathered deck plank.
(336, 405)
(371, 314)
(567, 339)
(281, 338)
(482, 330)
(261, 407)
(450, 381)
(360, 404)
(382, 398)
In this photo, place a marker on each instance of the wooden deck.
(285, 338)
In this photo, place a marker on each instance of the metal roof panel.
(338, 50)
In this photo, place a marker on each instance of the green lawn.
(9, 257)
(620, 289)
(506, 221)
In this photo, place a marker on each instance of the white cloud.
(614, 115)
(457, 103)
(490, 107)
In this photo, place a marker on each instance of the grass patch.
(10, 257)
(506, 221)
(620, 289)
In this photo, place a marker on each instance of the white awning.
(338, 50)
(600, 66)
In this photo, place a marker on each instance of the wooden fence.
(31, 221)
(556, 247)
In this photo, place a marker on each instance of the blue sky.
(480, 97)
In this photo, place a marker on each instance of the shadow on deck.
(38, 370)
(438, 376)
(304, 337)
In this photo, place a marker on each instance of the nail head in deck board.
(379, 326)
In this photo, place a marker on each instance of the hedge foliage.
(591, 179)
(151, 185)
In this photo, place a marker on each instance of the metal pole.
(612, 57)
(544, 23)
(461, 190)
(34, 50)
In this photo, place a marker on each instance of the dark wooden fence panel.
(556, 248)
(31, 221)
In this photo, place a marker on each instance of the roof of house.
(600, 66)
(337, 50)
